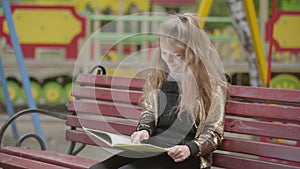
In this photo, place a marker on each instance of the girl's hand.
(138, 136)
(179, 152)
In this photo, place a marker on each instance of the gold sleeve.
(210, 133)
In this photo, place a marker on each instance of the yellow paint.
(236, 50)
(143, 5)
(204, 9)
(52, 95)
(12, 93)
(48, 2)
(257, 43)
(286, 31)
(45, 26)
(68, 91)
(217, 32)
(69, 94)
(80, 5)
(35, 92)
(13, 90)
(110, 56)
(121, 72)
(285, 81)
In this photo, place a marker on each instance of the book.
(123, 142)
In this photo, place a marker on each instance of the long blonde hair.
(200, 74)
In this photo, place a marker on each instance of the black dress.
(172, 129)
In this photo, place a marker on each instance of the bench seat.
(262, 125)
(41, 159)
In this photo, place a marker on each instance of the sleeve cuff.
(194, 149)
(144, 127)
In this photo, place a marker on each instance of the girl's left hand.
(179, 152)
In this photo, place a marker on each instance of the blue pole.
(9, 106)
(22, 68)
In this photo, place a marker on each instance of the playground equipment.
(6, 95)
(280, 23)
(52, 86)
(23, 72)
(276, 28)
(61, 31)
(242, 27)
(41, 35)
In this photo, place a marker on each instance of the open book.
(123, 142)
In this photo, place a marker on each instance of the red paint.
(29, 49)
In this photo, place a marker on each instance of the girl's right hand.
(139, 136)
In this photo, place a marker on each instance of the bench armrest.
(22, 138)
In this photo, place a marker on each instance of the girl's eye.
(171, 54)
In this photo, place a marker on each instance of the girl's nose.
(170, 58)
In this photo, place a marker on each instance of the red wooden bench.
(261, 128)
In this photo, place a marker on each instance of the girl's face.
(171, 55)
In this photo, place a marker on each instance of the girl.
(183, 100)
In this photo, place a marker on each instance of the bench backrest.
(103, 102)
(261, 127)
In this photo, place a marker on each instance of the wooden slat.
(262, 128)
(276, 112)
(105, 109)
(124, 96)
(233, 162)
(82, 137)
(108, 126)
(109, 81)
(283, 152)
(266, 94)
(50, 157)
(15, 162)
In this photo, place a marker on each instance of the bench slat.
(82, 137)
(108, 126)
(109, 81)
(231, 125)
(280, 113)
(266, 94)
(262, 128)
(124, 96)
(233, 162)
(50, 157)
(283, 152)
(15, 162)
(105, 109)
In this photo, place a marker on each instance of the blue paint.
(22, 68)
(9, 106)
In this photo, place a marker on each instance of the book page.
(140, 147)
(123, 142)
(109, 138)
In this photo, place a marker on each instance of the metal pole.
(263, 16)
(274, 2)
(9, 106)
(21, 65)
(257, 43)
(204, 9)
